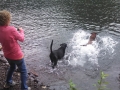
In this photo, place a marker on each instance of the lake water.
(71, 22)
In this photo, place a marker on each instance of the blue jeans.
(23, 72)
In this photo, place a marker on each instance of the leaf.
(99, 81)
(103, 77)
(72, 85)
(105, 82)
(94, 85)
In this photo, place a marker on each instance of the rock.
(34, 73)
(2, 60)
(7, 64)
(31, 83)
(18, 74)
(36, 81)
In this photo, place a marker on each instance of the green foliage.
(101, 84)
(72, 85)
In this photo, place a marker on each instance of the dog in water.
(55, 55)
(92, 38)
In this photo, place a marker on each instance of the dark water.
(69, 21)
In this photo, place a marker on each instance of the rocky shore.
(32, 81)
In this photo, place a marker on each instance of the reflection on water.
(77, 13)
(95, 12)
(85, 11)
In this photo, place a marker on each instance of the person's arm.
(0, 47)
(19, 35)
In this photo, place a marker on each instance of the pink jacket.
(9, 37)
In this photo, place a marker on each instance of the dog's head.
(63, 45)
(94, 33)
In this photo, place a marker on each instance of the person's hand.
(19, 29)
(0, 47)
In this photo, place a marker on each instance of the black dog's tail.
(51, 46)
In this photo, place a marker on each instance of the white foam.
(79, 55)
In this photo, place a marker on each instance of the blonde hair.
(5, 17)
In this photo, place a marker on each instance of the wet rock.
(7, 64)
(4, 61)
(34, 73)
(36, 81)
(44, 86)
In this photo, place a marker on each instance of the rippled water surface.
(71, 22)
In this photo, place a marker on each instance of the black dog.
(57, 54)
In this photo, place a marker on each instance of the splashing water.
(80, 55)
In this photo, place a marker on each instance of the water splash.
(80, 55)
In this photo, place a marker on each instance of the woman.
(9, 37)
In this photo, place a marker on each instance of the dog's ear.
(61, 44)
(94, 33)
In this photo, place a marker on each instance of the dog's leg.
(53, 66)
(55, 63)
(51, 61)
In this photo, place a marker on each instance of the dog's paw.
(53, 67)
